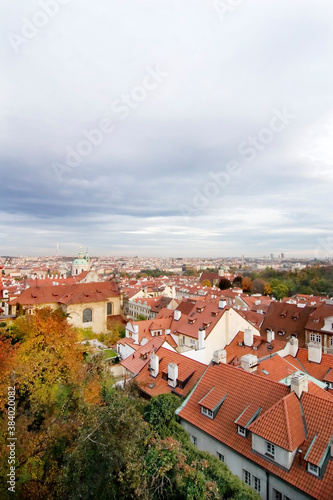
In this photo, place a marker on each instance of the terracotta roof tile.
(153, 386)
(288, 429)
(266, 393)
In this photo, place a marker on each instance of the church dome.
(80, 262)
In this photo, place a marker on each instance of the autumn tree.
(246, 283)
(206, 283)
(48, 377)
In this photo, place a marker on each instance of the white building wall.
(125, 350)
(282, 457)
(237, 463)
(222, 334)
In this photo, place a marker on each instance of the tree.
(160, 412)
(237, 281)
(258, 286)
(246, 283)
(206, 283)
(48, 388)
(224, 284)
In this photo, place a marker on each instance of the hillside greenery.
(312, 280)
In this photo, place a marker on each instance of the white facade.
(244, 468)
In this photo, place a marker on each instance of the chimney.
(314, 352)
(172, 374)
(220, 356)
(201, 338)
(248, 337)
(154, 365)
(270, 336)
(135, 334)
(177, 315)
(249, 362)
(167, 331)
(222, 303)
(299, 383)
(293, 346)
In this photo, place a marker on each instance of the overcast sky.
(166, 127)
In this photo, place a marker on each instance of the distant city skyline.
(167, 128)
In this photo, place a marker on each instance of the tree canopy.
(80, 436)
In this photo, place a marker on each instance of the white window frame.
(220, 456)
(241, 430)
(194, 440)
(315, 337)
(270, 450)
(313, 469)
(206, 411)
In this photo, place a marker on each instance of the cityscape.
(166, 250)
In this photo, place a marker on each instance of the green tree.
(224, 284)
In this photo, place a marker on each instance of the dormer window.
(241, 431)
(270, 450)
(207, 412)
(313, 469)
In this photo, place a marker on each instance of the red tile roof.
(286, 320)
(274, 398)
(187, 369)
(316, 370)
(316, 320)
(288, 429)
(138, 360)
(259, 348)
(68, 294)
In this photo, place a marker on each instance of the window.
(207, 412)
(87, 316)
(192, 342)
(277, 495)
(315, 337)
(313, 469)
(256, 483)
(247, 477)
(331, 341)
(270, 450)
(220, 456)
(241, 430)
(109, 308)
(194, 440)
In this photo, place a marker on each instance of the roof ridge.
(286, 410)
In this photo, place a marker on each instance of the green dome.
(80, 262)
